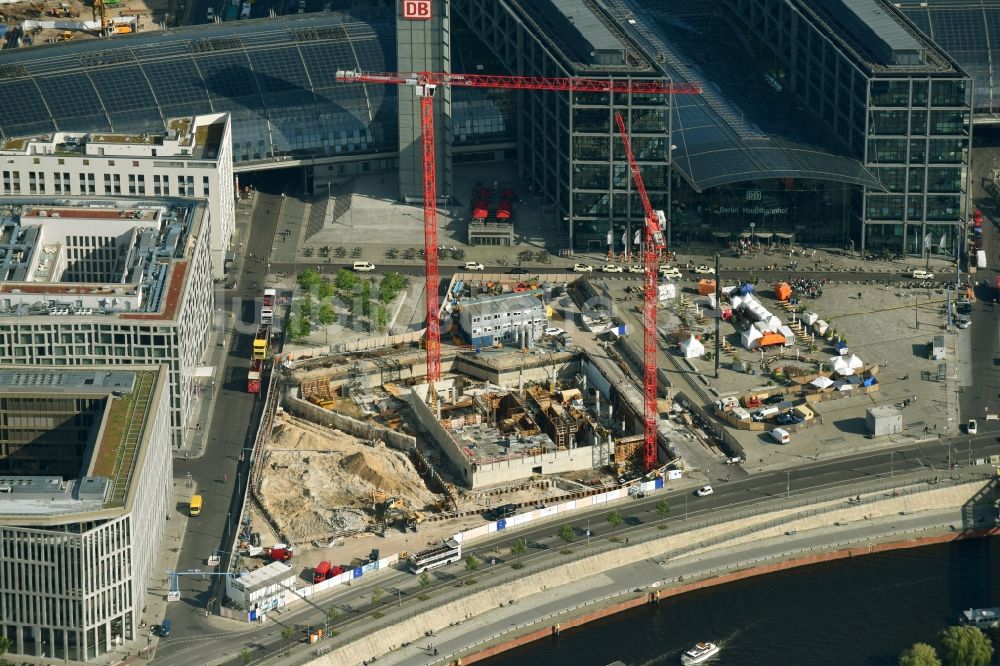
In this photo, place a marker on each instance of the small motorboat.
(700, 653)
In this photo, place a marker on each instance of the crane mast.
(652, 245)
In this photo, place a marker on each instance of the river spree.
(859, 611)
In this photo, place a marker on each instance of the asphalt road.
(354, 606)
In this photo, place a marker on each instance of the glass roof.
(741, 127)
(275, 76)
(970, 32)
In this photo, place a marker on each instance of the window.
(947, 122)
(890, 93)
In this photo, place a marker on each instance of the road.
(354, 607)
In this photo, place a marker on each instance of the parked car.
(733, 460)
(517, 271)
(364, 267)
(636, 268)
(502, 511)
(776, 399)
(921, 274)
(788, 418)
(582, 268)
(554, 331)
(964, 321)
(704, 491)
(704, 270)
(972, 428)
(611, 268)
(474, 266)
(670, 273)
(165, 627)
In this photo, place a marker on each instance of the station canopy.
(745, 125)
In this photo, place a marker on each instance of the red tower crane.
(425, 84)
(652, 245)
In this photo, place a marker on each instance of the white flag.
(625, 239)
(944, 243)
(638, 237)
(610, 238)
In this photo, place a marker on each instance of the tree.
(381, 317)
(294, 327)
(424, 579)
(518, 548)
(287, 632)
(965, 646)
(345, 280)
(305, 327)
(309, 279)
(391, 285)
(662, 509)
(325, 290)
(615, 519)
(567, 534)
(920, 654)
(246, 656)
(377, 594)
(326, 314)
(331, 616)
(4, 645)
(471, 563)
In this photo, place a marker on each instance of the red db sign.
(417, 9)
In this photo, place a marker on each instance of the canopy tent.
(822, 382)
(692, 347)
(763, 234)
(773, 323)
(736, 301)
(666, 292)
(783, 291)
(789, 335)
(854, 362)
(770, 339)
(750, 337)
(746, 288)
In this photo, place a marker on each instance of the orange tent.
(771, 339)
(783, 291)
(706, 287)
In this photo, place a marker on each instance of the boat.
(701, 652)
(984, 618)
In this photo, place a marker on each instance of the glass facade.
(917, 145)
(277, 78)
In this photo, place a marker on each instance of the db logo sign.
(417, 9)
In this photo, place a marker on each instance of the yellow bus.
(195, 505)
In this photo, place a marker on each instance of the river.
(860, 611)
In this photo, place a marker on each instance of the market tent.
(736, 301)
(822, 382)
(783, 291)
(706, 287)
(746, 288)
(771, 339)
(750, 337)
(666, 292)
(838, 362)
(773, 323)
(854, 362)
(789, 335)
(692, 348)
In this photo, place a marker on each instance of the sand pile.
(319, 482)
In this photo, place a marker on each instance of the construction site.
(35, 23)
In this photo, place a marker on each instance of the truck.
(261, 342)
(253, 376)
(321, 572)
(267, 307)
(278, 554)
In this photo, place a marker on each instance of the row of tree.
(959, 646)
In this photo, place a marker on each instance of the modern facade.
(193, 158)
(508, 318)
(793, 137)
(85, 481)
(89, 282)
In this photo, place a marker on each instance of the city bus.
(444, 553)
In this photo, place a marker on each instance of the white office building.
(113, 282)
(85, 483)
(192, 159)
(514, 319)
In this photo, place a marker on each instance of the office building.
(108, 282)
(192, 158)
(85, 483)
(514, 319)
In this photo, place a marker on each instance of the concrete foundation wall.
(441, 436)
(317, 414)
(556, 462)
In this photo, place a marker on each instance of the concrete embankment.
(830, 523)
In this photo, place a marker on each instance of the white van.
(364, 266)
(764, 413)
(781, 436)
(980, 259)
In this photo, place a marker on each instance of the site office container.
(321, 572)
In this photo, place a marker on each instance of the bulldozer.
(413, 520)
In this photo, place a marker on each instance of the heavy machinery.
(652, 245)
(424, 85)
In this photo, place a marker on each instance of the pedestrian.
(859, 295)
(626, 540)
(225, 477)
